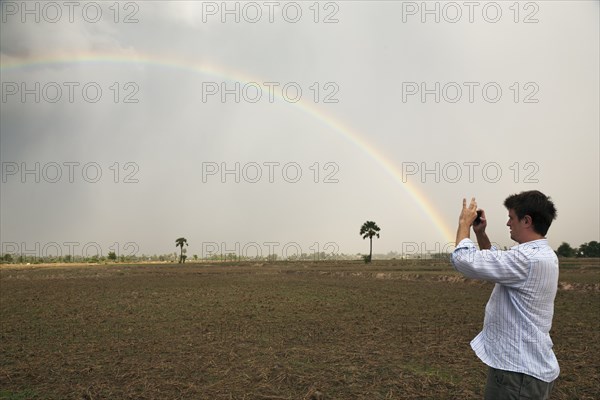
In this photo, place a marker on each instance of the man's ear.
(528, 220)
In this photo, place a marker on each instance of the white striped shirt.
(518, 315)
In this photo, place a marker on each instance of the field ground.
(390, 330)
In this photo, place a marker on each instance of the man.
(515, 341)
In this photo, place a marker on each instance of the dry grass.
(391, 330)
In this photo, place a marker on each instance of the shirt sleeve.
(510, 267)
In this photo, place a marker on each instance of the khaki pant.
(507, 385)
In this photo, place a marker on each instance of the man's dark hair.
(535, 204)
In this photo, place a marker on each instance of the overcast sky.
(323, 108)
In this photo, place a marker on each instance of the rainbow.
(228, 74)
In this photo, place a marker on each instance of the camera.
(478, 219)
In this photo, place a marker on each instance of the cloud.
(171, 132)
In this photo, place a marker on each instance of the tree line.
(591, 249)
(368, 230)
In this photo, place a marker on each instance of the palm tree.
(180, 242)
(368, 230)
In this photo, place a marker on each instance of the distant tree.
(179, 243)
(7, 258)
(368, 230)
(591, 249)
(67, 258)
(112, 256)
(565, 250)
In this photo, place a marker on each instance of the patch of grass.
(20, 395)
(430, 371)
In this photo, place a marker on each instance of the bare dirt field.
(324, 330)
